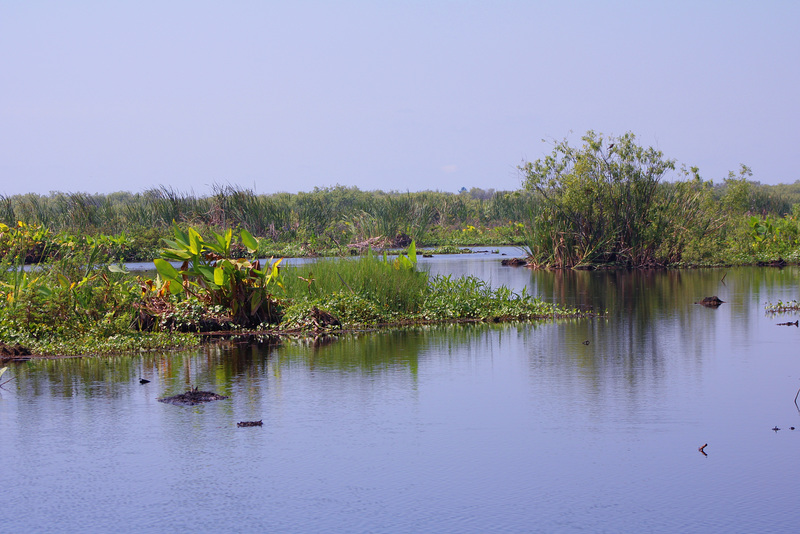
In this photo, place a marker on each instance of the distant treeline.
(286, 216)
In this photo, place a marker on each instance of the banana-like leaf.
(3, 370)
(217, 244)
(207, 272)
(195, 242)
(219, 276)
(180, 235)
(255, 302)
(177, 254)
(117, 269)
(275, 275)
(227, 242)
(249, 241)
(166, 270)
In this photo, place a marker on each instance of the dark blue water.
(478, 428)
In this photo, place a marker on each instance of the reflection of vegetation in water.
(647, 308)
(229, 366)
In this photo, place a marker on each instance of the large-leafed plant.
(210, 272)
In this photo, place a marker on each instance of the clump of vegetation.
(81, 301)
(213, 275)
(606, 202)
(782, 307)
(77, 302)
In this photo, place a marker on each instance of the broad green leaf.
(412, 252)
(249, 241)
(166, 270)
(255, 302)
(207, 272)
(171, 244)
(180, 236)
(176, 254)
(195, 242)
(117, 269)
(219, 276)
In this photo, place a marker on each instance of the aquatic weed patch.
(782, 307)
(470, 297)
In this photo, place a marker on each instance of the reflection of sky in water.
(456, 428)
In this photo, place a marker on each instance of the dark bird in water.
(143, 381)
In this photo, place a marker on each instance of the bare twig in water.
(795, 400)
(723, 279)
(702, 451)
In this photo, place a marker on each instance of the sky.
(99, 96)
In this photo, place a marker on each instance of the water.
(467, 428)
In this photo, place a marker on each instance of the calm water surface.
(501, 428)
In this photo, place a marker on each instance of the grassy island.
(81, 301)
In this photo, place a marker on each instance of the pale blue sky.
(395, 95)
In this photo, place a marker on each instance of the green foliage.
(782, 307)
(368, 290)
(472, 298)
(773, 238)
(72, 301)
(317, 222)
(606, 202)
(393, 284)
(212, 275)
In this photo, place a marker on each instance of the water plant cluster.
(82, 300)
(782, 307)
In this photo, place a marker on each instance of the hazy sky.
(395, 95)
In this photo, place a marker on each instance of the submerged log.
(192, 398)
(514, 262)
(780, 262)
(249, 423)
(710, 302)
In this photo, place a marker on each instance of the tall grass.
(280, 216)
(370, 277)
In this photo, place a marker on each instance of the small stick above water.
(701, 449)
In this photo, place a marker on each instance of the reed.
(392, 289)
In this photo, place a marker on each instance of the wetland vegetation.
(608, 203)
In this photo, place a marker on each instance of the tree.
(605, 202)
